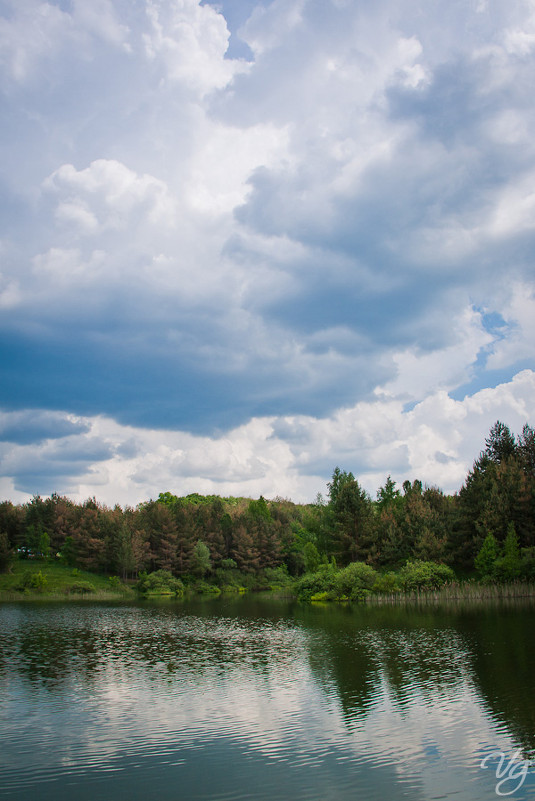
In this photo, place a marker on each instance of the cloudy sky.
(242, 243)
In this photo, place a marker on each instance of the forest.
(487, 528)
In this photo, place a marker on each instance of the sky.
(242, 243)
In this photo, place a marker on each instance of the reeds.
(460, 591)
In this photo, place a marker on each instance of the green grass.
(58, 582)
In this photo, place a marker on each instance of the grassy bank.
(42, 580)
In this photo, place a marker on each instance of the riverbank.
(35, 580)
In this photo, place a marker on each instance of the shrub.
(322, 581)
(80, 588)
(160, 582)
(355, 581)
(32, 581)
(418, 575)
(528, 563)
(277, 576)
(203, 588)
(387, 583)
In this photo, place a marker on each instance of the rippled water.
(252, 699)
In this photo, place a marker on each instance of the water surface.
(253, 699)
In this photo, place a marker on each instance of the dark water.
(252, 699)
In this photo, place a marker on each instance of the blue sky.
(242, 243)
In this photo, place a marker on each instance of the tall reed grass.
(460, 591)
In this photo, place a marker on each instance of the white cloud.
(191, 41)
(32, 32)
(268, 25)
(10, 293)
(99, 17)
(422, 372)
(514, 211)
(224, 159)
(113, 190)
(36, 34)
(519, 314)
(436, 442)
(67, 267)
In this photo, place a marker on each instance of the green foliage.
(311, 557)
(351, 512)
(81, 588)
(259, 510)
(114, 582)
(485, 561)
(528, 563)
(526, 449)
(204, 588)
(419, 575)
(509, 566)
(7, 553)
(68, 552)
(56, 581)
(227, 576)
(388, 583)
(388, 495)
(35, 582)
(500, 444)
(323, 580)
(43, 547)
(200, 559)
(277, 577)
(355, 581)
(160, 582)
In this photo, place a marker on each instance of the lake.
(252, 698)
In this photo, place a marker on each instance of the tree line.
(198, 535)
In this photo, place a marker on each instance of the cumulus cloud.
(293, 456)
(106, 195)
(191, 41)
(249, 252)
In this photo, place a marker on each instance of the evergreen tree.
(352, 515)
(200, 560)
(500, 444)
(485, 561)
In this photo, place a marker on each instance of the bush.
(355, 581)
(322, 581)
(418, 575)
(277, 576)
(32, 581)
(227, 574)
(160, 582)
(528, 563)
(203, 588)
(80, 588)
(387, 583)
